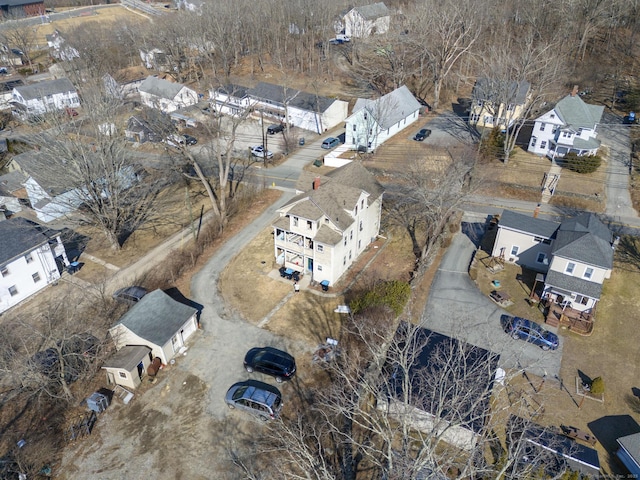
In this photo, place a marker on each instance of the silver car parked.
(258, 398)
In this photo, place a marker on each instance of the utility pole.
(264, 140)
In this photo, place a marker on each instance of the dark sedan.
(422, 134)
(270, 361)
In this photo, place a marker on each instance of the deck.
(574, 320)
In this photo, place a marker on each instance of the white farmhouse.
(31, 257)
(375, 121)
(323, 230)
(569, 127)
(297, 108)
(230, 100)
(166, 96)
(43, 97)
(367, 20)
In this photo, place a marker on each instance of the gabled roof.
(390, 108)
(233, 90)
(290, 96)
(127, 358)
(156, 317)
(465, 372)
(30, 164)
(570, 284)
(160, 87)
(574, 112)
(527, 224)
(496, 90)
(11, 182)
(19, 236)
(49, 87)
(631, 443)
(373, 11)
(585, 239)
(338, 191)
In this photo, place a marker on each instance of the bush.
(597, 386)
(582, 164)
(393, 294)
(492, 145)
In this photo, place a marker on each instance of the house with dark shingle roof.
(166, 96)
(373, 122)
(31, 258)
(299, 109)
(43, 97)
(323, 230)
(576, 255)
(367, 20)
(570, 126)
(159, 322)
(497, 103)
(629, 453)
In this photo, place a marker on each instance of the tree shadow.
(584, 378)
(475, 232)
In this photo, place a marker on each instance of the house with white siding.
(158, 322)
(31, 258)
(375, 121)
(44, 97)
(166, 96)
(230, 99)
(323, 230)
(570, 126)
(297, 108)
(367, 20)
(576, 255)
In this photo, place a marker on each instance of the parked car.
(630, 119)
(270, 361)
(259, 151)
(523, 329)
(276, 128)
(189, 139)
(130, 295)
(330, 142)
(422, 134)
(257, 398)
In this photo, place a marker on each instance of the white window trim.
(570, 271)
(590, 276)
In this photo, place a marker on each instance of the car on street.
(259, 151)
(422, 134)
(276, 128)
(257, 398)
(271, 361)
(130, 295)
(330, 142)
(523, 329)
(190, 139)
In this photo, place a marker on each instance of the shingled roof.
(373, 11)
(291, 97)
(160, 87)
(574, 112)
(390, 108)
(527, 224)
(42, 89)
(496, 90)
(19, 236)
(156, 317)
(585, 239)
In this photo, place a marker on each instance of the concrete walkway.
(551, 182)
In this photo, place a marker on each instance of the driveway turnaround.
(457, 308)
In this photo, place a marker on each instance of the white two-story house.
(323, 230)
(166, 96)
(43, 97)
(576, 255)
(31, 257)
(366, 20)
(569, 127)
(230, 100)
(375, 121)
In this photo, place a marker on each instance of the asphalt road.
(458, 309)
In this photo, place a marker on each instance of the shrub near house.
(582, 164)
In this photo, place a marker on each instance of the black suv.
(271, 361)
(273, 129)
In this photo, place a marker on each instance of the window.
(13, 290)
(28, 257)
(582, 300)
(514, 250)
(360, 225)
(36, 277)
(537, 239)
(359, 244)
(122, 374)
(356, 209)
(345, 241)
(320, 248)
(588, 273)
(319, 268)
(365, 115)
(543, 144)
(362, 203)
(351, 235)
(4, 271)
(344, 260)
(354, 129)
(542, 127)
(533, 141)
(510, 107)
(541, 258)
(565, 134)
(295, 221)
(570, 268)
(579, 132)
(309, 225)
(349, 254)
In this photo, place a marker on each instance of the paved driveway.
(457, 308)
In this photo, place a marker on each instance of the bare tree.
(23, 40)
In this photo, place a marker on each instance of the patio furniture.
(500, 297)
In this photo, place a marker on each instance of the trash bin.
(325, 285)
(301, 141)
(73, 267)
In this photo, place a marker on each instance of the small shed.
(127, 366)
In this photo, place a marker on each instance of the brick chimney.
(316, 183)
(574, 92)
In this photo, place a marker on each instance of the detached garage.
(157, 321)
